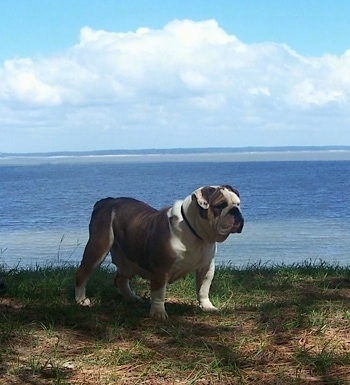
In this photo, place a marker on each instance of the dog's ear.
(202, 196)
(231, 189)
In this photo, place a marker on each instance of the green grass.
(277, 325)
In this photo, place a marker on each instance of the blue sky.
(89, 75)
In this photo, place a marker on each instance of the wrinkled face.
(221, 206)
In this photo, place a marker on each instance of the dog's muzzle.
(238, 220)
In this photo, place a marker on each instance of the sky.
(81, 75)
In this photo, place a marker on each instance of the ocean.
(294, 210)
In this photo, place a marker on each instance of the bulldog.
(160, 245)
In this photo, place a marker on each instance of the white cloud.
(155, 88)
(260, 91)
(21, 82)
(310, 93)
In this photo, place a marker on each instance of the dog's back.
(126, 226)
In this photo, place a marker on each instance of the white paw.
(210, 309)
(158, 312)
(207, 306)
(84, 302)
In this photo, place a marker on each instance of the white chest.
(190, 257)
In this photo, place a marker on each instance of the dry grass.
(278, 325)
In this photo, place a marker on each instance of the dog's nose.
(235, 212)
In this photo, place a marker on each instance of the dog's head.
(220, 206)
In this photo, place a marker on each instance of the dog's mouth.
(237, 227)
(230, 225)
(235, 230)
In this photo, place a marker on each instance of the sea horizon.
(210, 154)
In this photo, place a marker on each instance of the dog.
(160, 245)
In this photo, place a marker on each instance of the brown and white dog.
(161, 246)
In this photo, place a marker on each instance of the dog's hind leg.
(121, 279)
(122, 283)
(95, 252)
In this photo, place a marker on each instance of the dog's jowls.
(160, 245)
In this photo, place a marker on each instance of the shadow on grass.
(263, 308)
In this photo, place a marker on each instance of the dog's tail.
(99, 203)
(97, 214)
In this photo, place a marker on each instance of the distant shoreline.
(249, 154)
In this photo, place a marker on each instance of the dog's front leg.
(158, 291)
(204, 276)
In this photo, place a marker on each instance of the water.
(294, 211)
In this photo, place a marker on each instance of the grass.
(277, 325)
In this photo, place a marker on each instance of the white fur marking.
(80, 296)
(157, 304)
(231, 197)
(204, 278)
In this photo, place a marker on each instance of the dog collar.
(193, 231)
